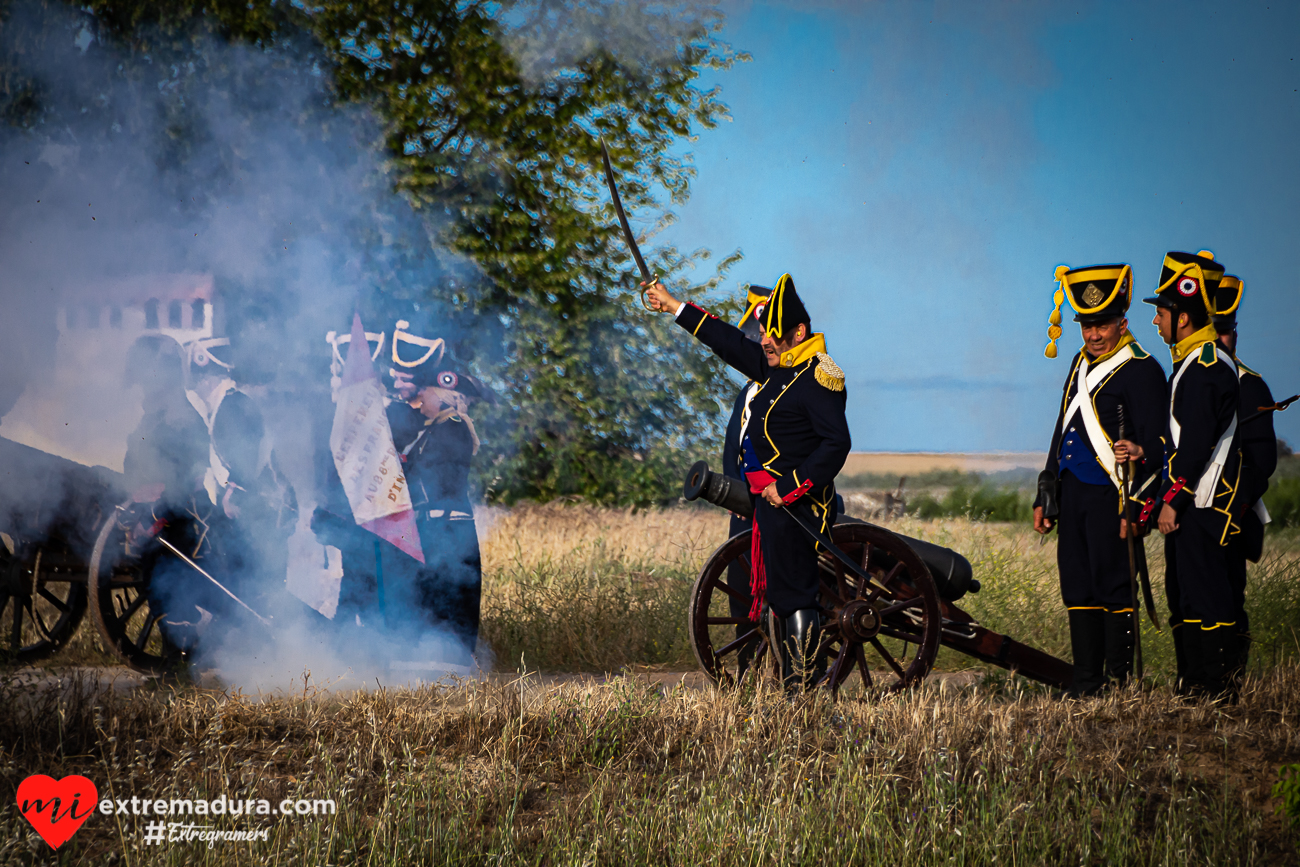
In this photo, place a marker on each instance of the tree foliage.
(491, 115)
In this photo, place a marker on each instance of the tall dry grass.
(627, 772)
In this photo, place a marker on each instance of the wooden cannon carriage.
(887, 631)
(49, 509)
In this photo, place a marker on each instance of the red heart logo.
(57, 808)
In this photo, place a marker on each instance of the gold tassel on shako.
(1054, 326)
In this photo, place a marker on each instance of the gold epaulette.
(828, 373)
(1209, 355)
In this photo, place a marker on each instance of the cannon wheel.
(120, 566)
(42, 597)
(895, 625)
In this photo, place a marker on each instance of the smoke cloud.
(215, 195)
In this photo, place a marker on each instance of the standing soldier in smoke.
(794, 444)
(435, 436)
(1198, 508)
(1258, 458)
(435, 439)
(1113, 383)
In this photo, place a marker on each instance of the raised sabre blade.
(646, 277)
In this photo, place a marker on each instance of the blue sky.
(921, 168)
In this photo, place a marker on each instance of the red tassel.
(757, 576)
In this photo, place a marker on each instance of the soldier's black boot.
(1243, 643)
(1119, 648)
(1088, 646)
(1178, 629)
(1220, 657)
(803, 659)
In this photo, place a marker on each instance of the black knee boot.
(1178, 630)
(1088, 646)
(803, 659)
(1243, 642)
(1119, 647)
(1220, 656)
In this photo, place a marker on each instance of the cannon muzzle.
(731, 494)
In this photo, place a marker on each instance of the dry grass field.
(617, 769)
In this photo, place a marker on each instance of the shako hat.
(1188, 282)
(1226, 301)
(1098, 293)
(784, 309)
(755, 311)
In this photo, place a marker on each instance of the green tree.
(491, 113)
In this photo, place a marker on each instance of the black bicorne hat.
(755, 310)
(784, 309)
(1188, 282)
(1226, 301)
(1098, 293)
(427, 362)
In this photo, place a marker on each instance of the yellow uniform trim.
(776, 451)
(1196, 270)
(1231, 282)
(1085, 608)
(752, 299)
(1123, 277)
(699, 325)
(1184, 347)
(772, 321)
(813, 345)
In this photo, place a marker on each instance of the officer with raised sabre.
(1113, 384)
(795, 442)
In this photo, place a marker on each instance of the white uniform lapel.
(1087, 380)
(1219, 458)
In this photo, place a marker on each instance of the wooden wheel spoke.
(147, 631)
(888, 580)
(894, 632)
(863, 670)
(837, 673)
(888, 658)
(914, 602)
(736, 645)
(129, 610)
(722, 585)
(16, 634)
(726, 621)
(41, 626)
(53, 600)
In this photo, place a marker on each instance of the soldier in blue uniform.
(794, 444)
(733, 465)
(1198, 507)
(1110, 376)
(1258, 457)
